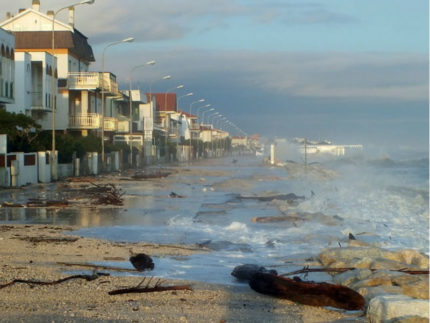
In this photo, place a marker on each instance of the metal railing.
(111, 124)
(84, 121)
(92, 81)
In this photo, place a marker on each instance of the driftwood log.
(245, 272)
(150, 175)
(32, 282)
(308, 293)
(147, 289)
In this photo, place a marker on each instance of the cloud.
(356, 76)
(168, 20)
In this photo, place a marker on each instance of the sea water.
(383, 202)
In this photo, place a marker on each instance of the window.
(11, 90)
(6, 89)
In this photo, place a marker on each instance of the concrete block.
(385, 308)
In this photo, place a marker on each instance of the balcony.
(37, 102)
(85, 121)
(93, 81)
(110, 124)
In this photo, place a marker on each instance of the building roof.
(75, 42)
(164, 101)
(191, 116)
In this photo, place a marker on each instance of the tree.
(20, 129)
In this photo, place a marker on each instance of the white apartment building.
(77, 91)
(7, 68)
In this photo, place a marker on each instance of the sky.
(349, 71)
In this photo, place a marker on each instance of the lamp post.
(53, 96)
(214, 122)
(167, 125)
(202, 107)
(173, 88)
(182, 96)
(151, 62)
(212, 128)
(203, 114)
(166, 77)
(189, 126)
(125, 40)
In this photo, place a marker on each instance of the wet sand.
(38, 251)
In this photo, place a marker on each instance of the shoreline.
(77, 300)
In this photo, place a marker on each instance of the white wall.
(22, 84)
(7, 71)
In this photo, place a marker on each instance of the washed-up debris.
(84, 179)
(201, 215)
(49, 239)
(308, 293)
(142, 262)
(291, 197)
(108, 194)
(177, 196)
(33, 282)
(38, 202)
(157, 287)
(150, 175)
(225, 245)
(245, 272)
(300, 216)
(9, 204)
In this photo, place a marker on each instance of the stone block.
(346, 254)
(385, 308)
(351, 276)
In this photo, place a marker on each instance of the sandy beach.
(36, 252)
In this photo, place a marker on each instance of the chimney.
(50, 13)
(35, 5)
(8, 15)
(21, 10)
(72, 17)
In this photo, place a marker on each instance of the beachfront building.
(35, 67)
(77, 91)
(7, 68)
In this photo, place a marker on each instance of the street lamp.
(182, 96)
(167, 126)
(189, 126)
(202, 107)
(151, 62)
(166, 77)
(53, 96)
(173, 88)
(125, 40)
(203, 114)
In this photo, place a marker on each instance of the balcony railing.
(93, 81)
(111, 124)
(85, 121)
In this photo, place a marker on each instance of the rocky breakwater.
(395, 284)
